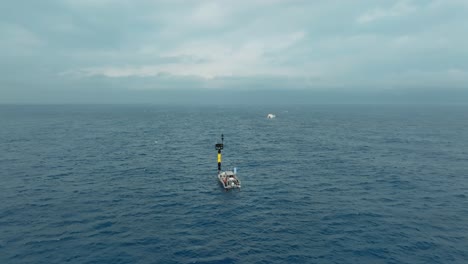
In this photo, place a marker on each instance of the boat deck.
(229, 180)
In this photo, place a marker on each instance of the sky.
(163, 51)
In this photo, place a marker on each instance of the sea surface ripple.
(321, 184)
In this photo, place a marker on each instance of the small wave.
(103, 225)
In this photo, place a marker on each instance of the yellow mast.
(219, 147)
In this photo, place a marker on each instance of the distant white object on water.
(271, 116)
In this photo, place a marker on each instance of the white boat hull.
(229, 180)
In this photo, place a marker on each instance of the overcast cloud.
(129, 46)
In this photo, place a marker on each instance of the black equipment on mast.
(219, 147)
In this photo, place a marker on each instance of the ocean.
(320, 184)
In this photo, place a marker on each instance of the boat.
(228, 179)
(271, 116)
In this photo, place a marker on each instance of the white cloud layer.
(400, 8)
(313, 43)
(210, 59)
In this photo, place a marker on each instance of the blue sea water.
(321, 184)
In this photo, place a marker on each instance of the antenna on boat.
(219, 147)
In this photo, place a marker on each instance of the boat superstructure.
(228, 179)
